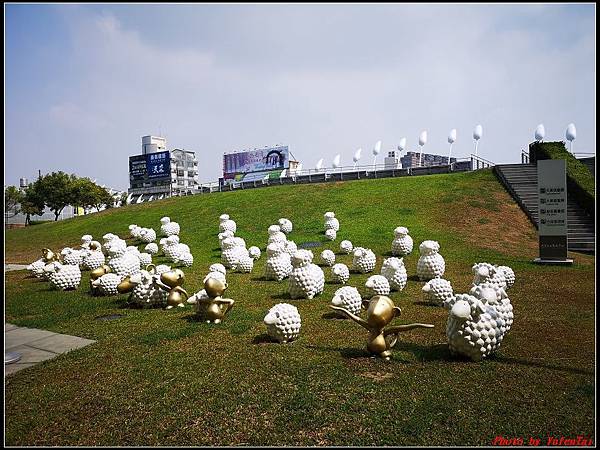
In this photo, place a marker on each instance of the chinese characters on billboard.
(152, 166)
(262, 161)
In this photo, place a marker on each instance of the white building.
(153, 144)
(392, 160)
(154, 174)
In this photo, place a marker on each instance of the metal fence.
(347, 173)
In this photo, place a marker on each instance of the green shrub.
(580, 181)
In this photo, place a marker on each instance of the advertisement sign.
(159, 165)
(153, 166)
(552, 209)
(237, 165)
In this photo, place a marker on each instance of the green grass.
(157, 377)
(582, 183)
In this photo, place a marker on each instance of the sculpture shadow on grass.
(541, 364)
(334, 282)
(332, 316)
(424, 303)
(415, 278)
(263, 339)
(282, 296)
(262, 278)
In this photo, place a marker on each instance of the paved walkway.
(11, 267)
(36, 345)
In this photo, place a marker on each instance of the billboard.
(152, 166)
(263, 161)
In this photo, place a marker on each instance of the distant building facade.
(159, 173)
(411, 159)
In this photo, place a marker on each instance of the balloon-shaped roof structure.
(423, 138)
(571, 132)
(377, 148)
(336, 161)
(452, 136)
(540, 132)
(319, 164)
(478, 132)
(402, 144)
(357, 155)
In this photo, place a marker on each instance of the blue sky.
(83, 83)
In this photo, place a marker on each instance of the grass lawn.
(158, 377)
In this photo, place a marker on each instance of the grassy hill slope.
(159, 377)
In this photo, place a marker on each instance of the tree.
(102, 198)
(58, 191)
(33, 202)
(123, 199)
(12, 200)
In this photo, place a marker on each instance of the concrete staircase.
(520, 180)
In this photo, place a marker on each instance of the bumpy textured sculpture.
(402, 244)
(225, 235)
(209, 307)
(477, 326)
(66, 276)
(349, 298)
(509, 275)
(331, 234)
(254, 252)
(161, 268)
(173, 249)
(438, 291)
(340, 273)
(218, 267)
(431, 264)
(245, 264)
(218, 275)
(377, 285)
(145, 259)
(121, 262)
(134, 231)
(50, 269)
(93, 259)
(306, 279)
(132, 249)
(290, 247)
(71, 256)
(346, 247)
(147, 235)
(86, 240)
(328, 257)
(285, 225)
(186, 259)
(490, 294)
(37, 268)
(283, 322)
(227, 224)
(331, 223)
(395, 272)
(151, 248)
(278, 265)
(168, 228)
(145, 290)
(106, 284)
(364, 260)
(380, 312)
(276, 235)
(231, 253)
(487, 273)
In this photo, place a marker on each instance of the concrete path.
(11, 267)
(36, 345)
